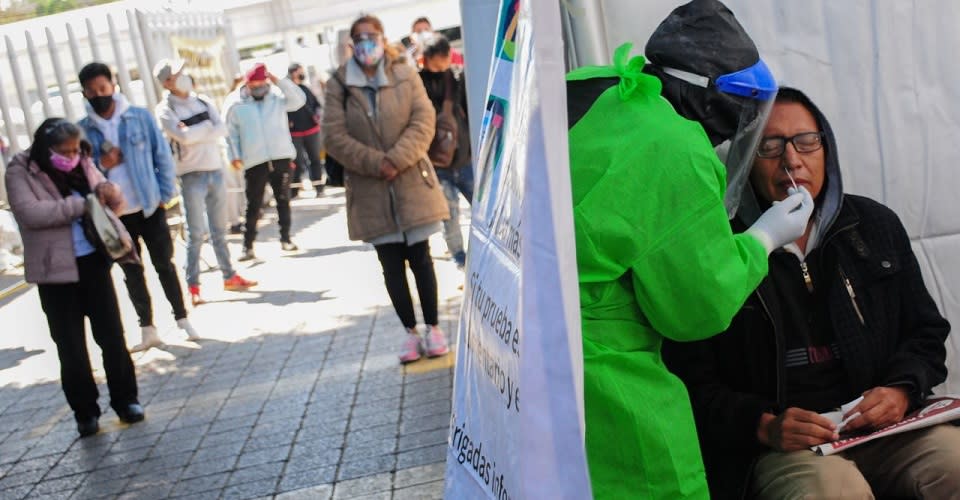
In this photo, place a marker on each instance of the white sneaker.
(184, 324)
(148, 338)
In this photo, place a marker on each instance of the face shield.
(735, 120)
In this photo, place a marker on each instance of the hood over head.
(830, 200)
(702, 38)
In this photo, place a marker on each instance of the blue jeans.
(455, 181)
(205, 204)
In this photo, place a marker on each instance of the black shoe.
(319, 190)
(131, 413)
(236, 229)
(87, 426)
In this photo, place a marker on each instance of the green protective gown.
(656, 258)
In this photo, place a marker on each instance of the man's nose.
(790, 157)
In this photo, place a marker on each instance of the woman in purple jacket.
(46, 186)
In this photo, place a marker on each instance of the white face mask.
(423, 38)
(184, 83)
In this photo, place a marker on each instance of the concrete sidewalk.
(294, 392)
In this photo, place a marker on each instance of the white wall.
(885, 74)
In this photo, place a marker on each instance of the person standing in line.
(195, 128)
(236, 200)
(258, 137)
(305, 132)
(421, 34)
(129, 146)
(46, 185)
(379, 120)
(442, 83)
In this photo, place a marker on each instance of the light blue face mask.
(367, 52)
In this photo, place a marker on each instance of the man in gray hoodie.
(194, 128)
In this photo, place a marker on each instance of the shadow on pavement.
(323, 252)
(304, 411)
(12, 357)
(277, 298)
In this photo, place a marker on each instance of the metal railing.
(44, 57)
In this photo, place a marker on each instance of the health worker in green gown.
(655, 253)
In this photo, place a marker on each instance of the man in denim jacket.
(129, 147)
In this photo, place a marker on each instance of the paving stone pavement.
(293, 393)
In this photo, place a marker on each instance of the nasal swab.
(787, 170)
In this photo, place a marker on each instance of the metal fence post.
(74, 48)
(61, 77)
(146, 71)
(12, 143)
(3, 183)
(37, 76)
(18, 81)
(233, 55)
(92, 38)
(122, 75)
(146, 37)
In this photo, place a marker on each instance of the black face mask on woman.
(100, 103)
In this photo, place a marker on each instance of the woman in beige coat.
(379, 123)
(46, 186)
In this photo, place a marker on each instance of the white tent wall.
(884, 74)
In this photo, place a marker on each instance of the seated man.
(843, 313)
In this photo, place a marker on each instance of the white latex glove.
(785, 221)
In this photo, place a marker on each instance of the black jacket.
(736, 376)
(436, 89)
(302, 119)
(887, 326)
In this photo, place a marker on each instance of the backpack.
(445, 138)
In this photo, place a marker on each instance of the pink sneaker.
(436, 342)
(412, 350)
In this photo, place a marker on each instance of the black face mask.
(718, 113)
(720, 117)
(100, 103)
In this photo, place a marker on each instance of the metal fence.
(45, 54)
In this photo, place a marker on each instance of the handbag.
(445, 139)
(107, 233)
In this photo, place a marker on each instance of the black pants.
(308, 151)
(66, 305)
(277, 172)
(155, 234)
(393, 258)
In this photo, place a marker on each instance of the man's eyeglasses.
(359, 37)
(774, 147)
